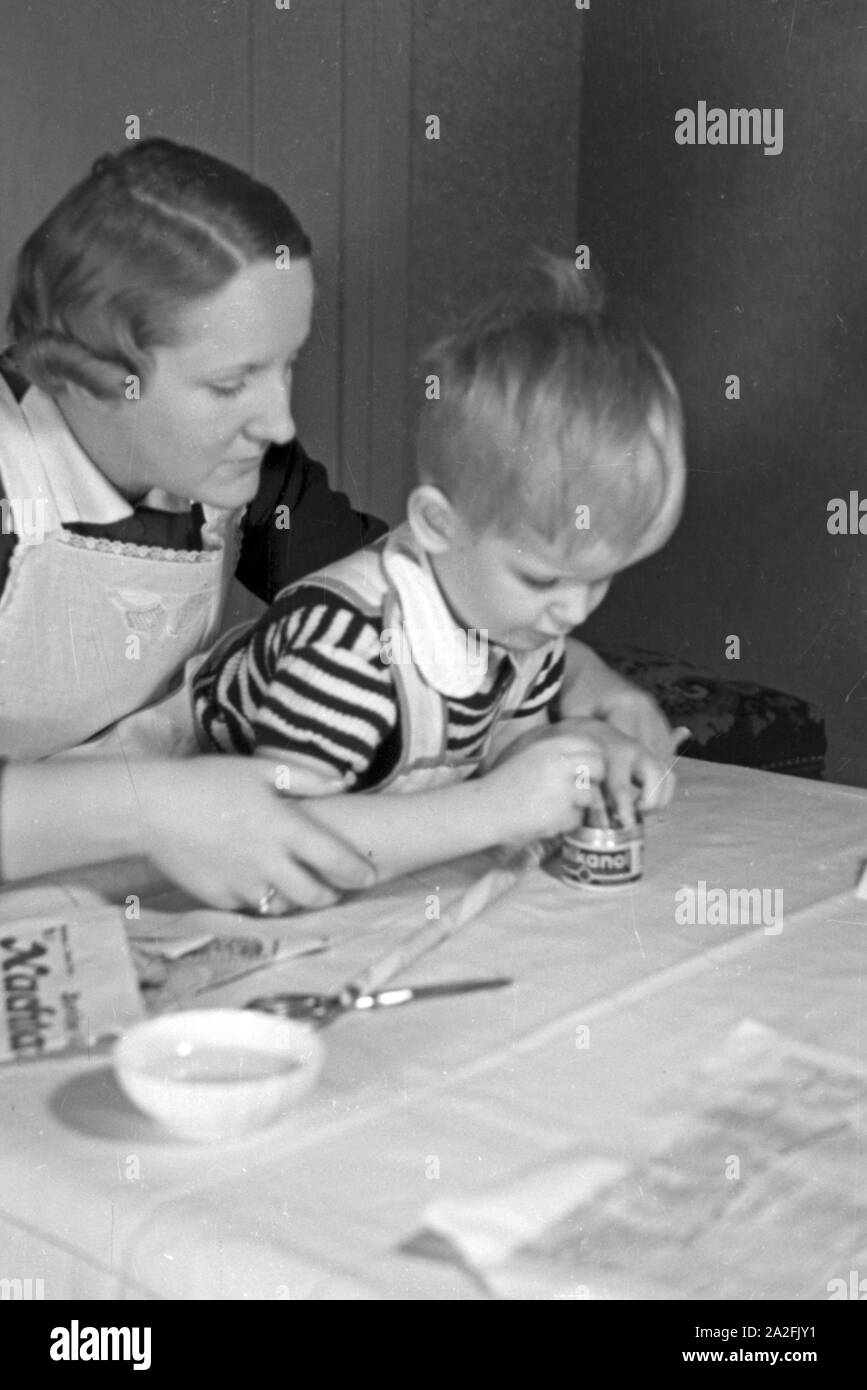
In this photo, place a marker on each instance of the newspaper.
(753, 1189)
(66, 976)
(74, 971)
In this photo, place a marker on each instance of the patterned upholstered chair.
(731, 721)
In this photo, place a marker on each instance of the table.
(445, 1098)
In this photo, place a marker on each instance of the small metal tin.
(599, 855)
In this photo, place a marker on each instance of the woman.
(147, 453)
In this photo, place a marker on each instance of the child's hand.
(541, 783)
(552, 772)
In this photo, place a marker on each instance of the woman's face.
(215, 400)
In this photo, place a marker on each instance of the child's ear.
(432, 518)
(79, 400)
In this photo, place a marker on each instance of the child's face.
(523, 590)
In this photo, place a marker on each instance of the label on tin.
(601, 860)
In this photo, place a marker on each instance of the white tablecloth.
(441, 1099)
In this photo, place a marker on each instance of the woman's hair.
(100, 282)
(549, 401)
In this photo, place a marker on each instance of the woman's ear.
(432, 518)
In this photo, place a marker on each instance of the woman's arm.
(215, 826)
(510, 731)
(591, 690)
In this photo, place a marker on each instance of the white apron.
(92, 630)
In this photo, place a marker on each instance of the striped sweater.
(309, 680)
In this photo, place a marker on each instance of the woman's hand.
(635, 713)
(633, 774)
(549, 775)
(593, 691)
(218, 827)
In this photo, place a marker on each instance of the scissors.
(322, 1009)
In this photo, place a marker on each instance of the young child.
(549, 458)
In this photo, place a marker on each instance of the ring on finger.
(263, 906)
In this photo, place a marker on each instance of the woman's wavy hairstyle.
(100, 283)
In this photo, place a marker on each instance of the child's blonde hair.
(549, 402)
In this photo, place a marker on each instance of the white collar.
(449, 658)
(80, 492)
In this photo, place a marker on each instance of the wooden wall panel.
(70, 74)
(375, 250)
(504, 78)
(297, 145)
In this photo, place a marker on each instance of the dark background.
(749, 264)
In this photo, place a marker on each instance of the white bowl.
(209, 1074)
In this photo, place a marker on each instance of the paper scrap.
(756, 1192)
(180, 956)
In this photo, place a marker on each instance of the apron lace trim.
(139, 552)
